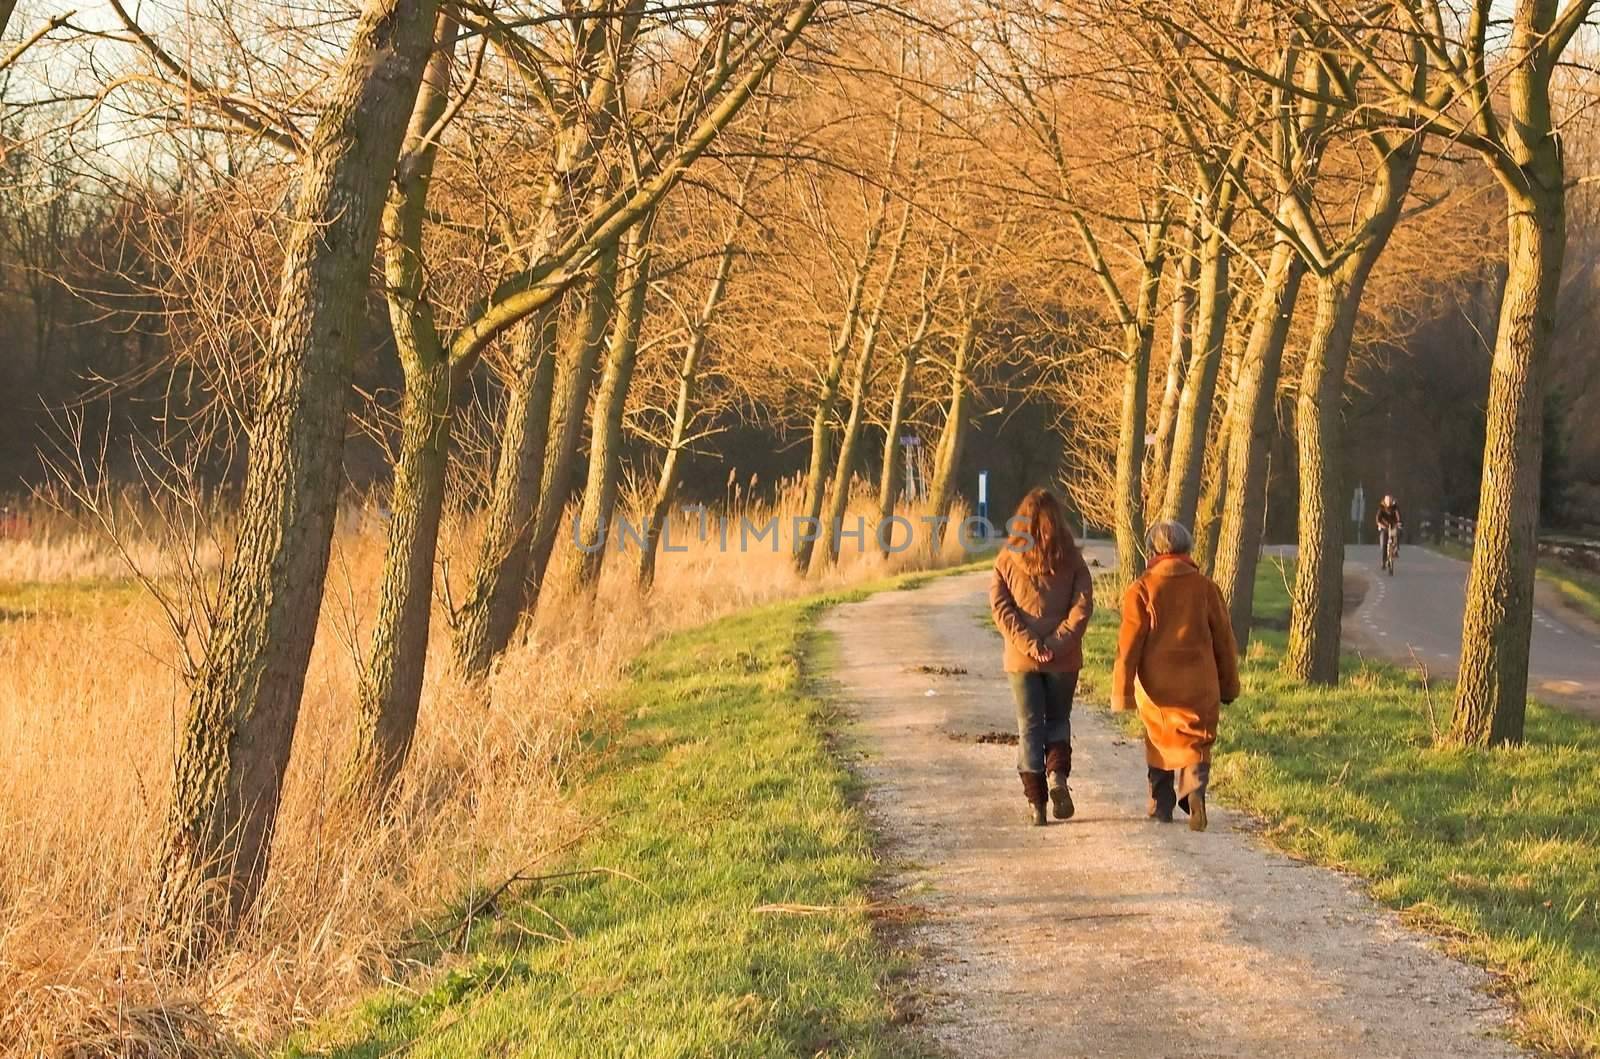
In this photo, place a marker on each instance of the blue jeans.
(1044, 720)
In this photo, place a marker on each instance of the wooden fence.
(1574, 551)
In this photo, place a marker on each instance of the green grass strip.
(1580, 588)
(728, 911)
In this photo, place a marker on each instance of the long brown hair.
(1040, 534)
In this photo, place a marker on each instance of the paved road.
(1419, 610)
(1109, 935)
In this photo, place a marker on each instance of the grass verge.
(719, 906)
(1497, 852)
(1579, 589)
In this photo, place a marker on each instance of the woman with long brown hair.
(1042, 596)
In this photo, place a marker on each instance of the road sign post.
(983, 499)
(910, 442)
(1358, 510)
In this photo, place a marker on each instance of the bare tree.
(687, 390)
(1045, 98)
(983, 256)
(1342, 269)
(933, 278)
(1295, 146)
(235, 742)
(605, 445)
(852, 273)
(1318, 602)
(1180, 345)
(1217, 200)
(1524, 154)
(1217, 136)
(850, 436)
(579, 223)
(1461, 101)
(11, 56)
(391, 684)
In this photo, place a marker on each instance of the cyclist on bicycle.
(1388, 531)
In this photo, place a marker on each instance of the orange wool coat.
(1176, 661)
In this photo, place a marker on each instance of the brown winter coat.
(1038, 612)
(1176, 661)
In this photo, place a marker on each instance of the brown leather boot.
(1194, 780)
(1058, 766)
(1033, 788)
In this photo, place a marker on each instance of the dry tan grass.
(89, 704)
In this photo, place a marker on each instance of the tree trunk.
(537, 450)
(850, 441)
(1251, 432)
(817, 465)
(580, 360)
(667, 480)
(531, 451)
(899, 407)
(1492, 688)
(1187, 277)
(827, 398)
(391, 680)
(234, 747)
(889, 479)
(947, 457)
(849, 445)
(605, 447)
(828, 391)
(661, 504)
(1138, 337)
(1187, 462)
(1208, 513)
(493, 603)
(1317, 607)
(1130, 462)
(1318, 604)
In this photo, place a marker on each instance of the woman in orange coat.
(1041, 596)
(1176, 664)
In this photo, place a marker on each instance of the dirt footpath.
(1108, 935)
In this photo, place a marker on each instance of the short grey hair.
(1169, 538)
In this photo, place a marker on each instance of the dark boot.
(1033, 788)
(1163, 795)
(1193, 781)
(1058, 766)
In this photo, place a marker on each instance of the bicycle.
(1391, 548)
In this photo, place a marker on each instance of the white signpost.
(1358, 510)
(910, 442)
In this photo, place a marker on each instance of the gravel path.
(1108, 935)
